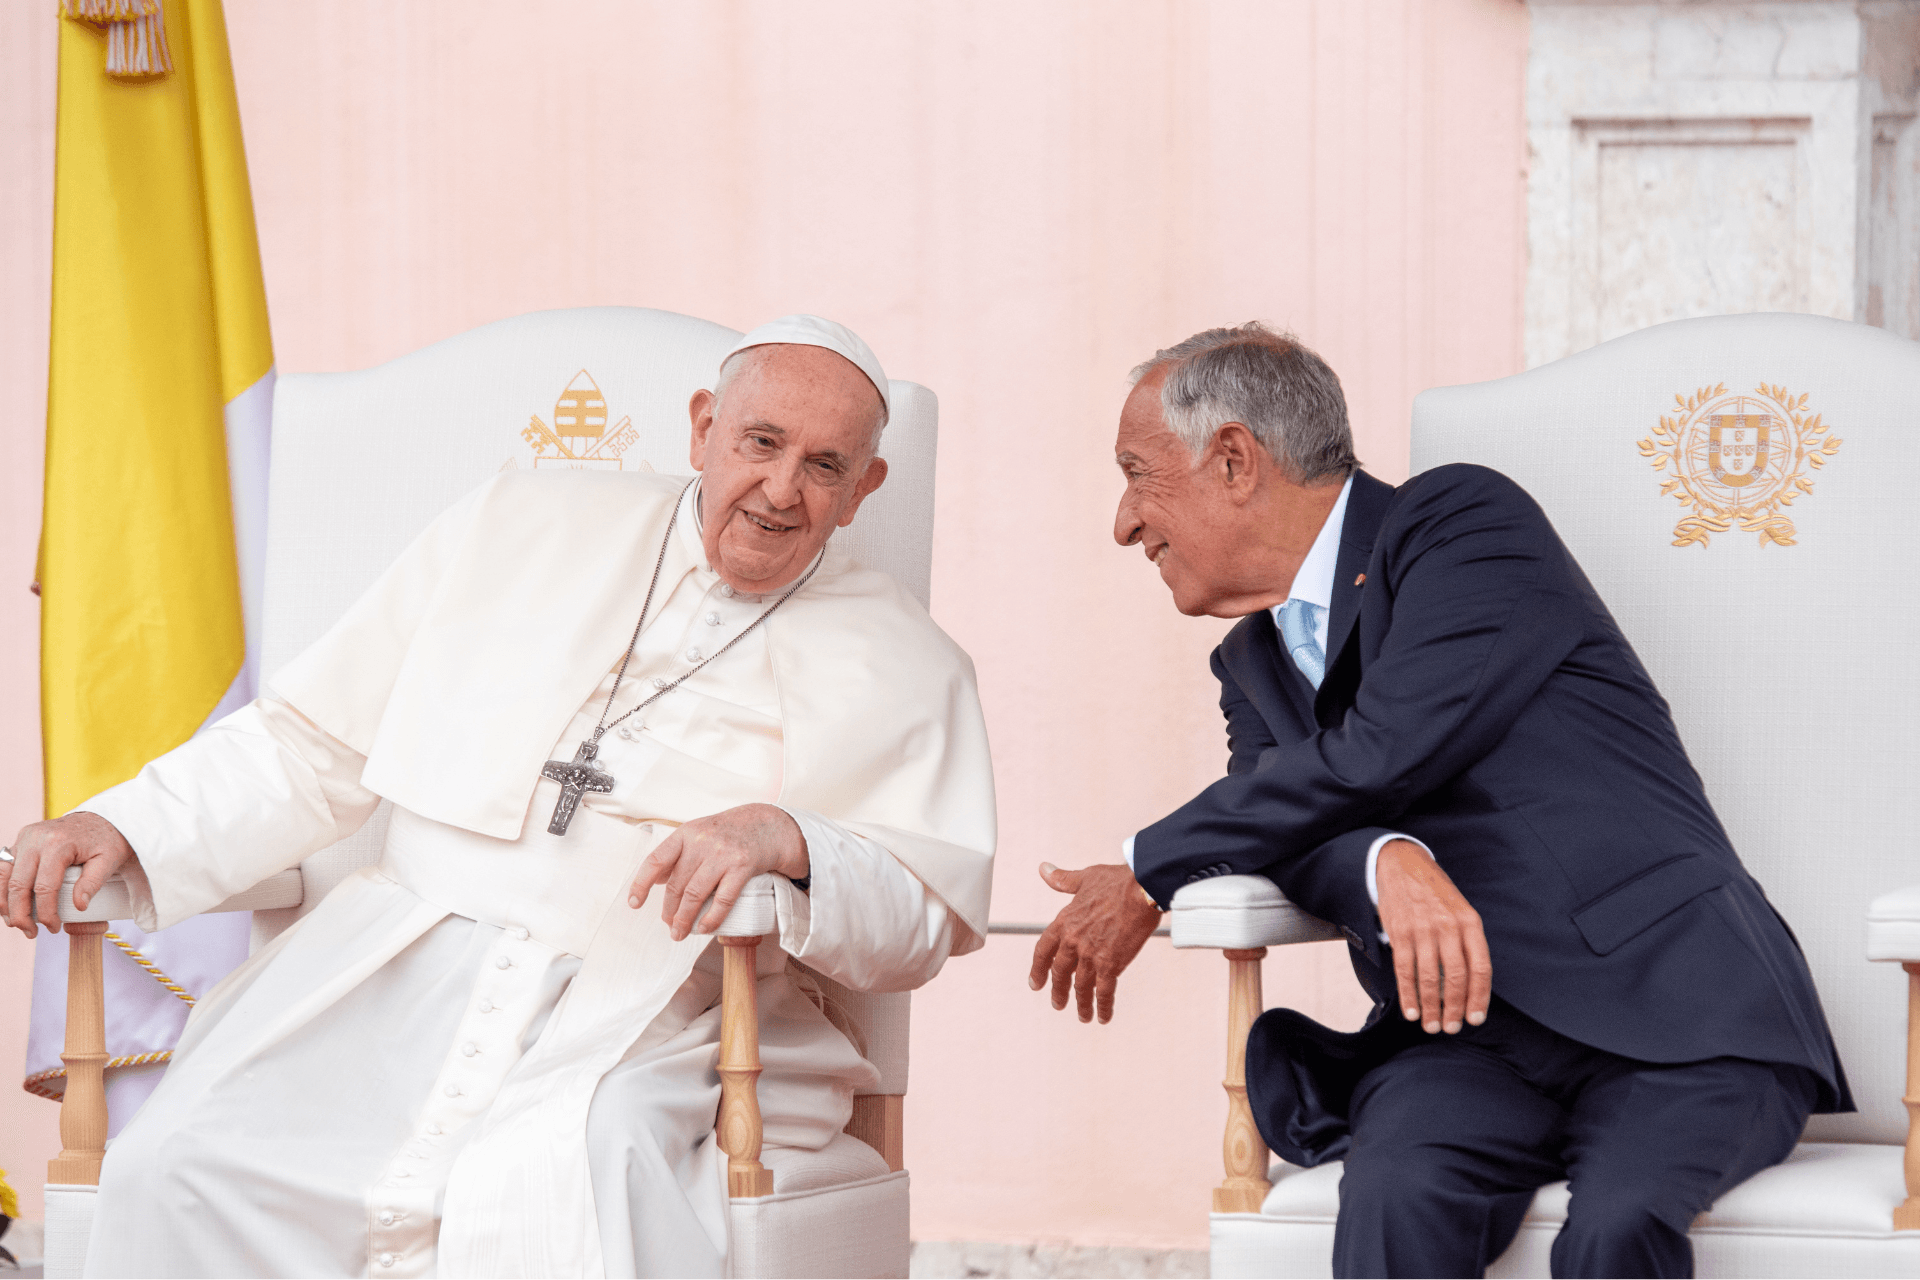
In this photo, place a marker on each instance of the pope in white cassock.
(479, 1056)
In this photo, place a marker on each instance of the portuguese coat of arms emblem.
(1739, 457)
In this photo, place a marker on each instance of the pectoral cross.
(576, 777)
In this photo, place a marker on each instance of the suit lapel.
(1282, 679)
(1366, 510)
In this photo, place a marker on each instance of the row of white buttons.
(389, 1216)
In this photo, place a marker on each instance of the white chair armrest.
(753, 916)
(1241, 912)
(1893, 926)
(115, 900)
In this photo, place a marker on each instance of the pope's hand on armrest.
(42, 853)
(712, 858)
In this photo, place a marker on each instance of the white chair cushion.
(843, 1160)
(1826, 1211)
(853, 1229)
(1893, 925)
(1239, 912)
(69, 1227)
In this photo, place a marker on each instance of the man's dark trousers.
(1453, 1134)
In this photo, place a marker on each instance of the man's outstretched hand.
(1094, 937)
(30, 885)
(1440, 956)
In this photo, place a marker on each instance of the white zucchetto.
(814, 331)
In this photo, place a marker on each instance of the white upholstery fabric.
(843, 1160)
(69, 1226)
(855, 1229)
(1241, 911)
(1789, 669)
(1826, 1212)
(883, 1018)
(362, 461)
(1893, 925)
(754, 914)
(115, 899)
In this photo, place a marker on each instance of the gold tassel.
(99, 11)
(136, 34)
(139, 47)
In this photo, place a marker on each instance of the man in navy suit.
(1439, 740)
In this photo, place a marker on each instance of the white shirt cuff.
(1373, 865)
(1373, 860)
(1126, 851)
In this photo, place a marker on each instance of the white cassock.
(473, 1058)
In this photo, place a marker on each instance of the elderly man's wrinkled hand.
(43, 851)
(714, 857)
(1440, 956)
(1094, 937)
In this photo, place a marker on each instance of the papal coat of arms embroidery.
(1739, 457)
(579, 438)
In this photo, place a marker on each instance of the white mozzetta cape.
(542, 574)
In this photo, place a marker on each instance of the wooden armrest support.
(1907, 1216)
(83, 1107)
(1242, 1150)
(739, 1122)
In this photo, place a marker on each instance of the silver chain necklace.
(578, 775)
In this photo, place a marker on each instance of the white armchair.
(361, 463)
(1786, 653)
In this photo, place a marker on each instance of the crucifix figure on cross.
(576, 777)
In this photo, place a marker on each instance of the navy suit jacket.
(1478, 695)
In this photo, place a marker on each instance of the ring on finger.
(6, 856)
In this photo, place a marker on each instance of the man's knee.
(1397, 1180)
(1625, 1229)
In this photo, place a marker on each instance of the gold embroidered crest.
(1741, 457)
(579, 438)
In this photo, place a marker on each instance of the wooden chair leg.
(739, 1124)
(1246, 1186)
(1907, 1216)
(83, 1111)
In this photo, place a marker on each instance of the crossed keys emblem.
(579, 438)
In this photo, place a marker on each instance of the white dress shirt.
(1313, 583)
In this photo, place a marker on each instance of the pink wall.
(1013, 202)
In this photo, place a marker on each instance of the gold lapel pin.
(1362, 578)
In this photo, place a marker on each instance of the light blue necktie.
(1299, 619)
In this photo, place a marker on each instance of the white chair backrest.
(1789, 667)
(363, 461)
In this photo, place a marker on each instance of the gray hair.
(1268, 381)
(733, 364)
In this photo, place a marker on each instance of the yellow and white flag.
(159, 396)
